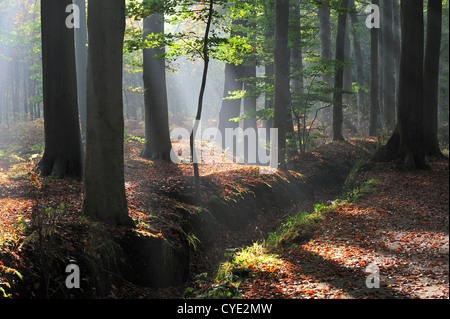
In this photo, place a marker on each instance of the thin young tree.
(62, 156)
(104, 185)
(205, 56)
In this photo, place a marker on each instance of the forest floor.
(399, 224)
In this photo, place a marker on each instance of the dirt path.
(401, 228)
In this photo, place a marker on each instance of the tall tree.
(431, 78)
(157, 136)
(281, 82)
(360, 78)
(104, 185)
(388, 64)
(374, 79)
(406, 142)
(231, 108)
(62, 156)
(205, 56)
(338, 115)
(325, 51)
(81, 62)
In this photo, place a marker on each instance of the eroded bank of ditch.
(243, 215)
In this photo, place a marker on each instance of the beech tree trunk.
(81, 62)
(326, 52)
(338, 115)
(62, 156)
(431, 78)
(359, 63)
(281, 82)
(157, 145)
(104, 185)
(406, 143)
(388, 64)
(374, 79)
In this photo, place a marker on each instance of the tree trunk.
(388, 64)
(374, 79)
(431, 78)
(198, 192)
(297, 104)
(104, 187)
(396, 43)
(81, 62)
(62, 156)
(157, 145)
(250, 106)
(359, 63)
(347, 83)
(338, 116)
(281, 82)
(326, 53)
(406, 143)
(231, 108)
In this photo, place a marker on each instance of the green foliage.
(357, 193)
(296, 229)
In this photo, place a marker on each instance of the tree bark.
(406, 143)
(359, 63)
(338, 116)
(81, 62)
(388, 64)
(62, 156)
(281, 82)
(198, 192)
(104, 188)
(374, 79)
(326, 53)
(157, 145)
(431, 78)
(231, 108)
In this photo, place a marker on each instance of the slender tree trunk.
(359, 63)
(338, 116)
(250, 106)
(431, 78)
(347, 84)
(326, 53)
(281, 83)
(62, 156)
(81, 62)
(297, 104)
(374, 79)
(269, 67)
(104, 185)
(157, 135)
(396, 44)
(198, 192)
(231, 108)
(388, 64)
